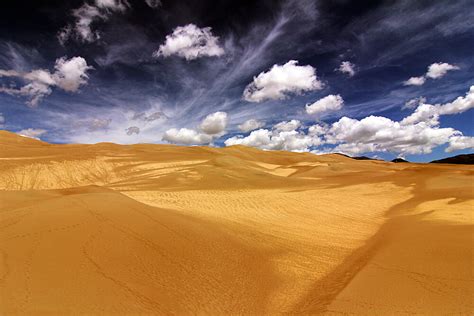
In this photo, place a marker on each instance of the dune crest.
(159, 229)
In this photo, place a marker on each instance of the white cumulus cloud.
(286, 135)
(423, 113)
(260, 138)
(190, 42)
(415, 81)
(186, 136)
(460, 143)
(438, 70)
(430, 113)
(281, 80)
(113, 5)
(435, 71)
(251, 125)
(214, 123)
(347, 67)
(382, 134)
(413, 103)
(328, 103)
(287, 126)
(275, 140)
(418, 133)
(69, 75)
(317, 130)
(459, 105)
(211, 127)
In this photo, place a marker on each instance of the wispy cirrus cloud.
(87, 15)
(412, 25)
(35, 133)
(153, 3)
(143, 116)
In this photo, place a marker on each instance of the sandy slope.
(156, 229)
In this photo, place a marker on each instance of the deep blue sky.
(128, 82)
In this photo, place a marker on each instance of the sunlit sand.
(158, 229)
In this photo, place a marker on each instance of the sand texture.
(168, 230)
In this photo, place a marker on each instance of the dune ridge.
(161, 229)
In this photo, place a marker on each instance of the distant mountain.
(357, 157)
(399, 160)
(467, 159)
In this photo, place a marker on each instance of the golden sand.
(157, 229)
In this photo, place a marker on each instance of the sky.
(383, 79)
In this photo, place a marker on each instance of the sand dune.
(157, 229)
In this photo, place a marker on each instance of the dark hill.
(363, 158)
(399, 160)
(466, 159)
